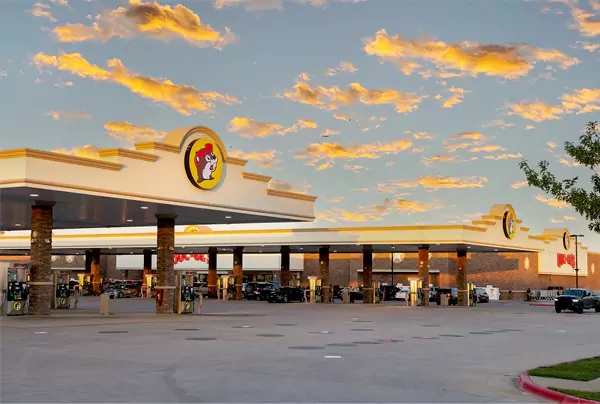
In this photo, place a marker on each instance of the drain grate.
(187, 329)
(480, 333)
(510, 330)
(451, 335)
(287, 325)
(270, 335)
(368, 342)
(426, 337)
(242, 326)
(387, 341)
(307, 347)
(362, 321)
(361, 329)
(430, 325)
(113, 332)
(201, 339)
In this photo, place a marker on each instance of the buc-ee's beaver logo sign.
(204, 163)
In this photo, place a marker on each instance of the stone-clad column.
(368, 292)
(238, 271)
(165, 272)
(324, 270)
(95, 278)
(285, 266)
(424, 273)
(147, 265)
(40, 283)
(461, 277)
(212, 272)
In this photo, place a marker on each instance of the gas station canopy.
(188, 175)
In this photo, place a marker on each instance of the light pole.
(576, 237)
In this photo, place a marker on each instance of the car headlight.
(555, 299)
(575, 300)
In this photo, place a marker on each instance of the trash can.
(107, 304)
(443, 299)
(345, 297)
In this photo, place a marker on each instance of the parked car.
(403, 293)
(123, 290)
(432, 293)
(285, 295)
(254, 290)
(482, 295)
(452, 294)
(577, 300)
(201, 288)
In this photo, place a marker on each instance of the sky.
(392, 112)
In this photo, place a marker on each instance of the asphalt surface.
(260, 352)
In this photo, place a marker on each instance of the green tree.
(587, 154)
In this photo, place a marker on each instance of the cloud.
(587, 23)
(519, 184)
(432, 161)
(150, 19)
(486, 148)
(332, 98)
(551, 145)
(498, 123)
(250, 128)
(131, 133)
(59, 115)
(87, 151)
(329, 132)
(265, 159)
(423, 135)
(588, 46)
(456, 97)
(286, 186)
(67, 83)
(318, 152)
(343, 67)
(464, 140)
(505, 156)
(354, 167)
(376, 213)
(580, 101)
(183, 99)
(60, 2)
(536, 111)
(429, 182)
(552, 202)
(507, 61)
(42, 10)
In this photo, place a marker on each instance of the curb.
(526, 384)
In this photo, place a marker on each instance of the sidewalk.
(540, 386)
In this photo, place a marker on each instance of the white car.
(403, 293)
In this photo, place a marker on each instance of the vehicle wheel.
(270, 301)
(120, 295)
(597, 309)
(557, 309)
(579, 310)
(285, 299)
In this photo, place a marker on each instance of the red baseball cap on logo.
(200, 154)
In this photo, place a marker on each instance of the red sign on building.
(177, 258)
(565, 259)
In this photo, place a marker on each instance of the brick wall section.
(165, 273)
(238, 271)
(506, 271)
(41, 260)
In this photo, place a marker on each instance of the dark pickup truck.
(577, 300)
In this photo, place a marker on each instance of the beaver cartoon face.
(206, 163)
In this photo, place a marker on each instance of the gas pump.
(376, 290)
(312, 289)
(17, 290)
(61, 294)
(472, 301)
(186, 294)
(414, 286)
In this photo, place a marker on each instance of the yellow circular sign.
(186, 305)
(567, 240)
(509, 223)
(204, 163)
(17, 306)
(63, 301)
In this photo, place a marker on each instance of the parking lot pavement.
(260, 352)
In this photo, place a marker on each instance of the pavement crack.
(182, 395)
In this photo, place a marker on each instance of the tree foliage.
(587, 154)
